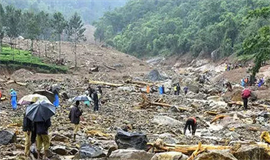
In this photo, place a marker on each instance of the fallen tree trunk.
(139, 82)
(185, 149)
(109, 67)
(105, 83)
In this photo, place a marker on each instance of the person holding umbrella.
(43, 136)
(27, 128)
(40, 113)
(74, 116)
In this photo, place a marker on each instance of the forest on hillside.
(89, 10)
(165, 27)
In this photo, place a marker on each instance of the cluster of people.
(176, 89)
(230, 66)
(95, 96)
(250, 81)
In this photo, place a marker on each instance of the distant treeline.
(165, 27)
(89, 10)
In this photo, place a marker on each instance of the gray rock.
(7, 137)
(154, 76)
(130, 154)
(125, 140)
(88, 151)
(251, 153)
(165, 120)
(216, 155)
(170, 156)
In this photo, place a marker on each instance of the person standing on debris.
(175, 89)
(56, 98)
(163, 89)
(13, 98)
(185, 90)
(27, 128)
(95, 99)
(191, 122)
(243, 82)
(178, 88)
(229, 86)
(90, 90)
(0, 95)
(261, 82)
(43, 137)
(246, 93)
(74, 117)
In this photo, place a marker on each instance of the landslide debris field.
(225, 131)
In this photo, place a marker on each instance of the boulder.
(89, 151)
(170, 156)
(165, 120)
(193, 88)
(126, 140)
(61, 150)
(7, 137)
(251, 153)
(154, 75)
(216, 155)
(130, 154)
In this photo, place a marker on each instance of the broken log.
(185, 149)
(213, 113)
(265, 137)
(139, 82)
(109, 67)
(146, 103)
(105, 83)
(218, 117)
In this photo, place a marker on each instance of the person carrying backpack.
(245, 95)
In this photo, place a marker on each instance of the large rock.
(155, 76)
(88, 151)
(126, 140)
(7, 137)
(165, 120)
(170, 156)
(193, 88)
(130, 154)
(216, 155)
(251, 153)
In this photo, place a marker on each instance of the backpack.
(246, 93)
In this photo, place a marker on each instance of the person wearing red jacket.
(191, 122)
(245, 95)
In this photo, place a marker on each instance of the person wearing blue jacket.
(13, 98)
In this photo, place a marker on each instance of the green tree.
(75, 32)
(58, 24)
(258, 44)
(2, 15)
(12, 23)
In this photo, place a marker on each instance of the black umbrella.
(40, 111)
(81, 98)
(47, 94)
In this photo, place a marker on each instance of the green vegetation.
(259, 43)
(37, 26)
(90, 10)
(15, 58)
(198, 27)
